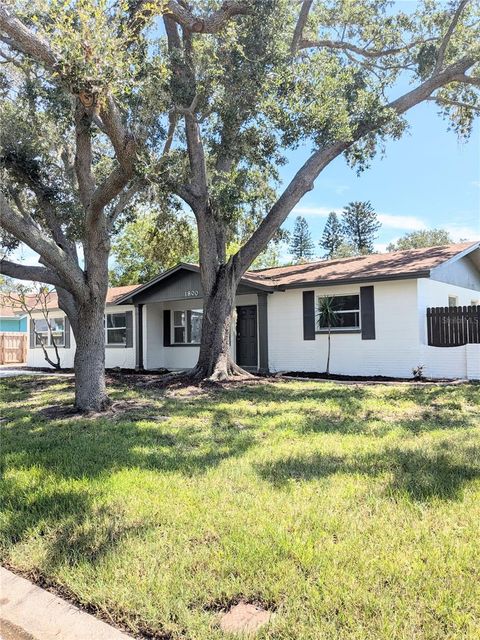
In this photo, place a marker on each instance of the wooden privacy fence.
(453, 326)
(13, 348)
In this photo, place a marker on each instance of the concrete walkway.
(30, 613)
(10, 371)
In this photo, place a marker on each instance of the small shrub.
(417, 372)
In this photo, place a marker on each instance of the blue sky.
(428, 179)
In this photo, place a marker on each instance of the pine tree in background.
(332, 238)
(301, 244)
(360, 225)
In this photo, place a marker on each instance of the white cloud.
(459, 232)
(315, 211)
(407, 223)
(389, 221)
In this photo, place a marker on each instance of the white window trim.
(450, 296)
(358, 327)
(184, 326)
(107, 329)
(49, 331)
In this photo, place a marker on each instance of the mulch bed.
(315, 375)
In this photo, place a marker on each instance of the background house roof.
(7, 311)
(398, 264)
(113, 294)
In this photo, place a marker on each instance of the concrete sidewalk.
(30, 613)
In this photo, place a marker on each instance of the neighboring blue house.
(12, 320)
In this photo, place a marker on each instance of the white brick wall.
(393, 353)
(114, 356)
(400, 344)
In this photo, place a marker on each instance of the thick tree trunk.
(215, 361)
(90, 392)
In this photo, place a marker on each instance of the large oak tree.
(74, 138)
(264, 77)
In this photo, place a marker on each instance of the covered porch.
(169, 312)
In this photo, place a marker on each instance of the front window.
(116, 328)
(452, 301)
(347, 313)
(187, 326)
(49, 336)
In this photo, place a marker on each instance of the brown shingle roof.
(113, 294)
(398, 264)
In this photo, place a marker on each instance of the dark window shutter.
(67, 333)
(166, 328)
(309, 315)
(367, 310)
(129, 325)
(32, 334)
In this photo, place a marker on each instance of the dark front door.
(247, 336)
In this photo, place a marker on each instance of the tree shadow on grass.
(421, 475)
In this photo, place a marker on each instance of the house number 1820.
(191, 294)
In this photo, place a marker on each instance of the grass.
(353, 511)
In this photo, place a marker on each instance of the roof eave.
(356, 280)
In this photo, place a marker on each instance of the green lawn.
(354, 512)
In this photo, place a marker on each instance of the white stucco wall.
(114, 356)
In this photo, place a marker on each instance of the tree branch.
(28, 272)
(83, 155)
(122, 140)
(26, 231)
(364, 52)
(466, 79)
(448, 35)
(454, 103)
(208, 23)
(300, 26)
(24, 40)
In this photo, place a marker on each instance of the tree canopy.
(421, 239)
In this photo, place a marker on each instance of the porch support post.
(139, 337)
(262, 332)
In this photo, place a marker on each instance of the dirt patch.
(244, 619)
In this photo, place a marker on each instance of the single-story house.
(381, 321)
